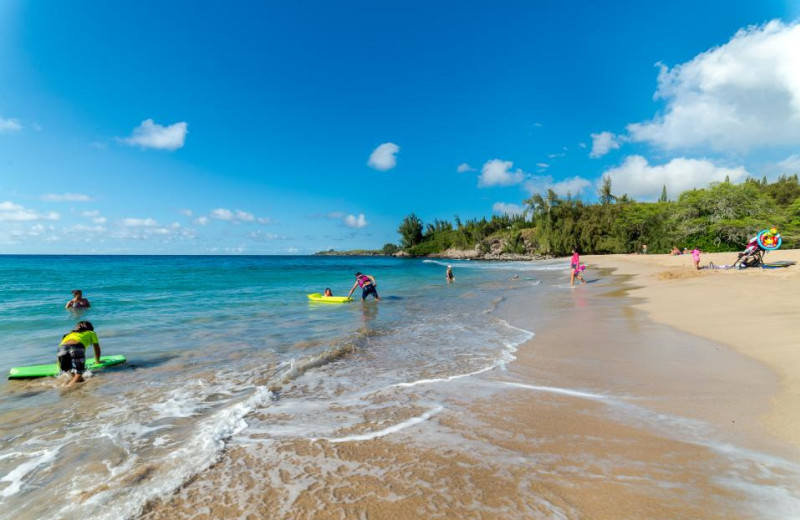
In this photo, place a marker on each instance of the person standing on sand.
(71, 355)
(696, 258)
(575, 268)
(77, 301)
(449, 274)
(644, 249)
(368, 286)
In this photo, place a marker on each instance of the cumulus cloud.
(66, 197)
(234, 216)
(603, 143)
(201, 221)
(642, 181)
(572, 186)
(742, 95)
(356, 222)
(9, 125)
(503, 208)
(150, 134)
(384, 157)
(10, 212)
(790, 165)
(498, 173)
(139, 222)
(464, 167)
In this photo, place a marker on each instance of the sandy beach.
(755, 311)
(618, 408)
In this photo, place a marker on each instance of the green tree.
(663, 197)
(390, 249)
(410, 231)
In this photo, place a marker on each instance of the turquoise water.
(210, 341)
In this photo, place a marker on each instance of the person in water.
(78, 301)
(575, 268)
(328, 292)
(368, 286)
(449, 274)
(72, 350)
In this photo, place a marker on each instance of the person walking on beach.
(368, 286)
(449, 274)
(575, 268)
(77, 301)
(696, 258)
(72, 350)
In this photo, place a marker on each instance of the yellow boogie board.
(317, 297)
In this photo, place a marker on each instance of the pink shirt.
(695, 255)
(576, 259)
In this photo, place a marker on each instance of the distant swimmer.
(72, 350)
(368, 286)
(78, 301)
(328, 292)
(449, 275)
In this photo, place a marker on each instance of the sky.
(200, 127)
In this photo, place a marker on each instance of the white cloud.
(502, 208)
(99, 220)
(261, 236)
(9, 125)
(10, 212)
(603, 143)
(573, 186)
(790, 165)
(384, 157)
(201, 221)
(235, 216)
(244, 216)
(221, 214)
(540, 184)
(356, 222)
(542, 165)
(90, 214)
(139, 222)
(65, 197)
(640, 180)
(744, 94)
(186, 212)
(152, 135)
(498, 173)
(464, 167)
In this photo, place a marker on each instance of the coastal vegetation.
(721, 217)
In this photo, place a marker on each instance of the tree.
(604, 193)
(390, 249)
(663, 197)
(410, 231)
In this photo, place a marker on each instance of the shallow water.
(235, 382)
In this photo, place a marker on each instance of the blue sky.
(288, 127)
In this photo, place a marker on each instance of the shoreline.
(753, 311)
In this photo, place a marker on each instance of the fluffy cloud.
(540, 184)
(744, 94)
(502, 208)
(498, 173)
(464, 167)
(790, 165)
(355, 222)
(10, 212)
(235, 216)
(139, 222)
(384, 157)
(9, 125)
(66, 197)
(603, 143)
(152, 135)
(201, 221)
(640, 180)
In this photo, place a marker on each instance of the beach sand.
(755, 311)
(629, 405)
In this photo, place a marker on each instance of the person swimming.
(77, 301)
(449, 274)
(328, 292)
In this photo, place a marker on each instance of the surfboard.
(779, 263)
(53, 370)
(317, 297)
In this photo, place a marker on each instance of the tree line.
(721, 217)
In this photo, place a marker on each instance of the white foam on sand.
(386, 431)
(16, 477)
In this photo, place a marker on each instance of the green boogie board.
(52, 369)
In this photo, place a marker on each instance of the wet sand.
(605, 414)
(755, 311)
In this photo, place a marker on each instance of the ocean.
(229, 364)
